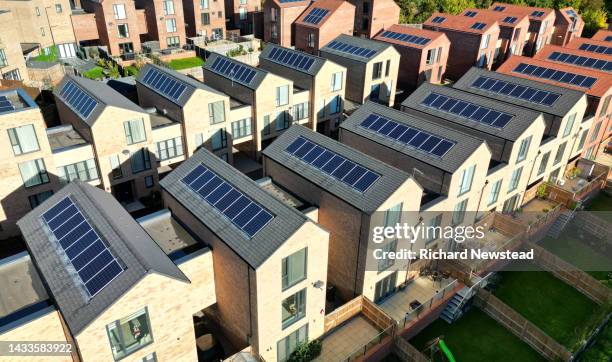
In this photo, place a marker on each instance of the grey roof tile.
(260, 74)
(318, 62)
(377, 46)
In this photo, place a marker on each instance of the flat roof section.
(15, 100)
(21, 285)
(64, 137)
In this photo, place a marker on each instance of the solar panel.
(467, 110)
(430, 144)
(332, 164)
(596, 48)
(315, 16)
(234, 70)
(247, 215)
(438, 19)
(291, 58)
(6, 105)
(529, 94)
(412, 39)
(351, 49)
(571, 13)
(164, 84)
(537, 14)
(77, 99)
(555, 75)
(478, 26)
(499, 8)
(288, 1)
(470, 14)
(581, 61)
(608, 38)
(93, 261)
(509, 19)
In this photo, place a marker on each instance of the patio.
(534, 210)
(348, 339)
(493, 240)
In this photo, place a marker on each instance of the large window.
(129, 334)
(23, 139)
(377, 70)
(241, 128)
(294, 268)
(595, 132)
(3, 61)
(523, 149)
(205, 18)
(559, 154)
(203, 4)
(141, 160)
(582, 139)
(335, 105)
(388, 68)
(216, 112)
(134, 131)
(266, 124)
(282, 121)
(119, 11)
(543, 163)
(123, 31)
(38, 199)
(431, 56)
(243, 14)
(514, 179)
(287, 345)
(171, 25)
(33, 172)
(604, 107)
(282, 95)
(116, 172)
(218, 140)
(293, 308)
(12, 75)
(569, 125)
(336, 82)
(466, 180)
(169, 148)
(485, 41)
(459, 212)
(300, 111)
(393, 215)
(84, 171)
(168, 7)
(434, 226)
(494, 195)
(386, 262)
(173, 41)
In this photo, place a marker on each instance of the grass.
(569, 248)
(602, 202)
(601, 350)
(94, 73)
(555, 307)
(185, 63)
(476, 337)
(51, 57)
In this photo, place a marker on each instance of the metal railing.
(425, 307)
(362, 350)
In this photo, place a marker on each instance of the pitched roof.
(567, 15)
(376, 47)
(255, 250)
(567, 97)
(408, 30)
(389, 181)
(523, 10)
(577, 42)
(575, 57)
(464, 147)
(461, 23)
(490, 16)
(127, 241)
(291, 3)
(602, 35)
(291, 54)
(258, 77)
(190, 84)
(521, 119)
(329, 5)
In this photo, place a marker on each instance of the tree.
(456, 6)
(594, 20)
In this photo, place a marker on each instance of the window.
(543, 163)
(171, 25)
(266, 124)
(485, 41)
(38, 199)
(459, 212)
(595, 132)
(335, 105)
(439, 54)
(523, 149)
(282, 95)
(218, 140)
(33, 172)
(23, 139)
(199, 140)
(84, 171)
(366, 7)
(119, 11)
(321, 111)
(386, 262)
(294, 268)
(393, 215)
(216, 112)
(431, 56)
(466, 180)
(117, 172)
(286, 346)
(129, 334)
(569, 125)
(559, 154)
(377, 70)
(494, 195)
(243, 14)
(203, 4)
(169, 148)
(42, 31)
(243, 2)
(58, 8)
(173, 41)
(434, 225)
(517, 33)
(241, 128)
(582, 139)
(604, 107)
(134, 131)
(123, 31)
(514, 179)
(149, 181)
(300, 111)
(141, 160)
(388, 68)
(12, 75)
(205, 18)
(375, 92)
(311, 40)
(37, 10)
(3, 61)
(282, 121)
(293, 308)
(168, 7)
(336, 82)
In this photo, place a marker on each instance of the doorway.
(510, 204)
(124, 192)
(385, 287)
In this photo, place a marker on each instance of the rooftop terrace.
(64, 136)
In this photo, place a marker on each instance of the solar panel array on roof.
(596, 48)
(467, 110)
(571, 13)
(291, 59)
(409, 136)
(351, 49)
(77, 99)
(555, 75)
(93, 261)
(529, 94)
(537, 14)
(608, 38)
(165, 85)
(241, 210)
(509, 19)
(478, 26)
(233, 70)
(413, 39)
(470, 14)
(6, 105)
(581, 61)
(288, 1)
(499, 8)
(332, 164)
(438, 19)
(315, 16)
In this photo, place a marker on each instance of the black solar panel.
(292, 58)
(6, 105)
(596, 48)
(315, 16)
(93, 261)
(288, 1)
(234, 70)
(77, 99)
(509, 19)
(581, 61)
(413, 39)
(571, 13)
(499, 8)
(537, 14)
(470, 14)
(517, 91)
(467, 110)
(608, 38)
(332, 164)
(164, 84)
(438, 19)
(555, 75)
(247, 215)
(478, 26)
(351, 49)
(409, 136)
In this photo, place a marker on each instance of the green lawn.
(603, 202)
(185, 63)
(601, 350)
(94, 73)
(476, 337)
(555, 307)
(569, 248)
(51, 57)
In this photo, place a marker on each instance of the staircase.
(559, 225)
(453, 311)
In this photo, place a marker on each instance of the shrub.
(306, 352)
(542, 191)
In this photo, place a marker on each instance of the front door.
(124, 192)
(126, 48)
(385, 287)
(67, 50)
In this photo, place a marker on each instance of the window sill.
(293, 284)
(288, 323)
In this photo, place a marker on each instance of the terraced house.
(12, 64)
(321, 22)
(568, 26)
(279, 18)
(204, 18)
